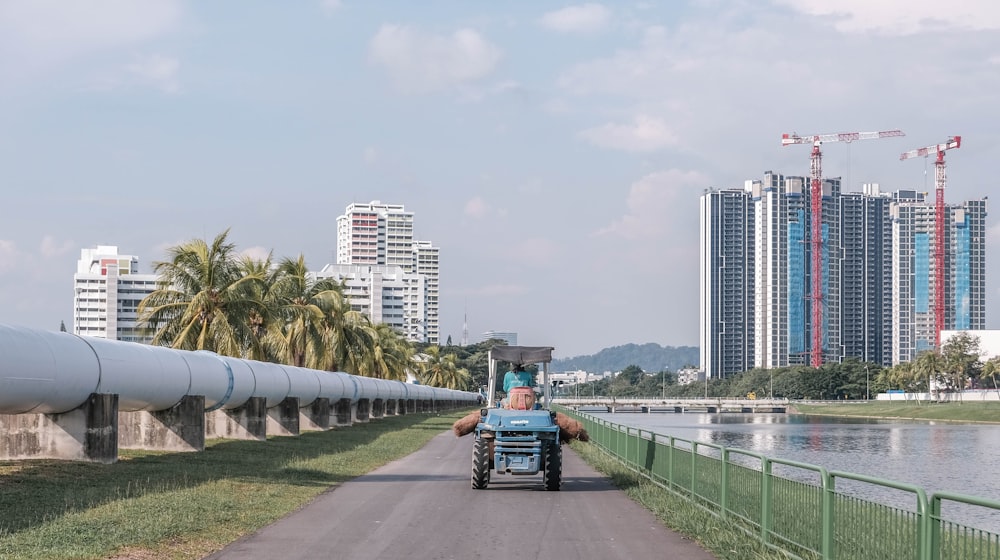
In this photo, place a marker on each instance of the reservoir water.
(935, 456)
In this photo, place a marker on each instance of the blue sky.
(555, 152)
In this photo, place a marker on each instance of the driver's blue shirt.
(517, 379)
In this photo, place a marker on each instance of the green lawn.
(954, 411)
(153, 506)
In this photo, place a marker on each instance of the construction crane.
(939, 183)
(816, 217)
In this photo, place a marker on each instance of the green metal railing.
(801, 509)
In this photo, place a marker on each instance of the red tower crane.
(939, 183)
(816, 217)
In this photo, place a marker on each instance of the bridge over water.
(676, 405)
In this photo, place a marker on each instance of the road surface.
(423, 507)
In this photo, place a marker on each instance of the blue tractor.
(514, 440)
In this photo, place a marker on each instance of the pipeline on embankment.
(65, 396)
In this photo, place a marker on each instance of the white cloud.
(256, 253)
(476, 207)
(38, 33)
(480, 93)
(663, 62)
(644, 134)
(535, 251)
(585, 18)
(51, 248)
(8, 255)
(903, 17)
(419, 62)
(156, 71)
(557, 106)
(331, 6)
(657, 203)
(370, 156)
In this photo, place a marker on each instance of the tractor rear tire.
(552, 458)
(480, 464)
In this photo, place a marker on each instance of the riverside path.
(423, 507)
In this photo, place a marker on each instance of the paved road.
(423, 507)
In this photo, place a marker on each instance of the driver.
(517, 377)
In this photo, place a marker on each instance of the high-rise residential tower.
(913, 224)
(866, 275)
(876, 264)
(727, 282)
(781, 270)
(381, 235)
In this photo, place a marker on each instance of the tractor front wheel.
(552, 458)
(480, 464)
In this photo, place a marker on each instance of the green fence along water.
(955, 540)
(802, 509)
(864, 528)
(793, 503)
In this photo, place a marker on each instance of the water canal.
(936, 456)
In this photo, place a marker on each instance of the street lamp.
(868, 390)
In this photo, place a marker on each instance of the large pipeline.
(54, 372)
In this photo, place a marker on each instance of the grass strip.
(723, 538)
(909, 410)
(178, 506)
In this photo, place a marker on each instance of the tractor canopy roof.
(522, 354)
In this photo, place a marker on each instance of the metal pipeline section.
(53, 372)
(45, 372)
(336, 385)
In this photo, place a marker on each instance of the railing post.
(694, 466)
(826, 545)
(766, 502)
(724, 491)
(932, 530)
(670, 462)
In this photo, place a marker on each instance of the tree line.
(210, 297)
(957, 365)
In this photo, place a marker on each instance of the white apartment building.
(107, 291)
(386, 294)
(509, 337)
(428, 262)
(381, 236)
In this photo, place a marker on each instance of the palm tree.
(265, 343)
(203, 300)
(961, 355)
(392, 355)
(991, 369)
(302, 303)
(349, 336)
(929, 366)
(443, 371)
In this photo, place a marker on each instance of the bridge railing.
(805, 510)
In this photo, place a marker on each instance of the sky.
(554, 151)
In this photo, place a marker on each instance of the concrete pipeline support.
(178, 428)
(88, 432)
(246, 422)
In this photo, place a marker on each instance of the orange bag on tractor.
(521, 398)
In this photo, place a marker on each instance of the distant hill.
(651, 357)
